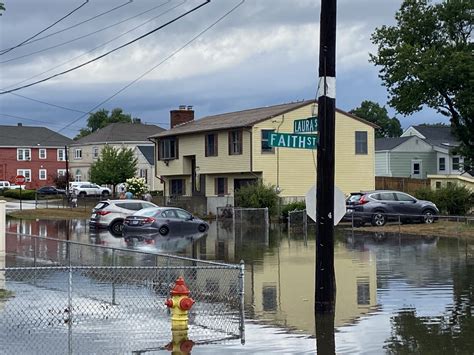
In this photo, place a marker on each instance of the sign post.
(20, 180)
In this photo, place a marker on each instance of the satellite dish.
(339, 204)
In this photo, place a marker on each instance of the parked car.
(87, 189)
(111, 213)
(163, 220)
(379, 206)
(8, 185)
(50, 190)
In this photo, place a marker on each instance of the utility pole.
(325, 290)
(67, 171)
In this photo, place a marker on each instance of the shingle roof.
(438, 135)
(389, 143)
(121, 132)
(148, 152)
(28, 136)
(239, 119)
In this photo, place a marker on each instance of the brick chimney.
(182, 115)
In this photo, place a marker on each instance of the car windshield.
(100, 206)
(353, 198)
(148, 212)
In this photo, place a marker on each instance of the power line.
(70, 27)
(83, 36)
(47, 28)
(32, 120)
(48, 103)
(101, 45)
(109, 52)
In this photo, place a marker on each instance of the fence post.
(242, 303)
(267, 226)
(2, 243)
(113, 280)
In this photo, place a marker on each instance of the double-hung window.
(266, 148)
(42, 153)
(177, 187)
(95, 152)
(456, 163)
(361, 142)
(61, 155)
(211, 145)
(168, 149)
(42, 174)
(235, 142)
(220, 186)
(78, 153)
(442, 164)
(23, 154)
(26, 173)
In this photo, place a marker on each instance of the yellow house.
(216, 155)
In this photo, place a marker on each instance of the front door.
(416, 171)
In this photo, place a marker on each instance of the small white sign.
(339, 204)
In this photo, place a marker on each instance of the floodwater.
(395, 293)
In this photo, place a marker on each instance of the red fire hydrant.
(180, 303)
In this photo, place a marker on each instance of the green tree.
(2, 8)
(426, 60)
(257, 195)
(114, 166)
(373, 112)
(101, 118)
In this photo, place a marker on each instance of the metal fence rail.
(61, 301)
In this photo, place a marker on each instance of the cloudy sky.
(263, 53)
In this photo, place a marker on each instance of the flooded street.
(395, 293)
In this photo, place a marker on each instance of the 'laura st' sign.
(289, 140)
(306, 125)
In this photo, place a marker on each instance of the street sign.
(20, 180)
(289, 140)
(339, 204)
(306, 125)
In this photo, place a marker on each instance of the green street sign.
(306, 125)
(289, 140)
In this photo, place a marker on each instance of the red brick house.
(35, 152)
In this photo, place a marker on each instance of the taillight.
(363, 200)
(148, 220)
(102, 213)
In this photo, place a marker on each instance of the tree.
(101, 118)
(114, 166)
(372, 112)
(2, 8)
(426, 59)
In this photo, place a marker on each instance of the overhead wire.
(47, 103)
(47, 28)
(83, 36)
(70, 27)
(109, 52)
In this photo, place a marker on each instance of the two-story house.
(216, 155)
(85, 151)
(37, 153)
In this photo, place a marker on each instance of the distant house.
(419, 152)
(216, 155)
(34, 152)
(85, 151)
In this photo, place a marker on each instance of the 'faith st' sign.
(306, 125)
(288, 140)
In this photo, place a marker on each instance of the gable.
(416, 144)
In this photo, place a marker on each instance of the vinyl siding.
(381, 161)
(400, 163)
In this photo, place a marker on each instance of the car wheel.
(428, 216)
(379, 219)
(105, 194)
(116, 227)
(164, 230)
(82, 194)
(202, 228)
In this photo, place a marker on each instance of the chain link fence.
(68, 297)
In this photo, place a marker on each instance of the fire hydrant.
(180, 303)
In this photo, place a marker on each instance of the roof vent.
(182, 107)
(189, 108)
(20, 124)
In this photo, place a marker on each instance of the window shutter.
(225, 187)
(241, 143)
(206, 150)
(183, 181)
(176, 144)
(216, 187)
(229, 135)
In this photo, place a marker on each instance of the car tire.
(379, 219)
(164, 230)
(428, 216)
(105, 194)
(82, 194)
(202, 228)
(116, 227)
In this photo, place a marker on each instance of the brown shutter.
(229, 138)
(216, 192)
(216, 143)
(176, 144)
(184, 186)
(171, 187)
(206, 150)
(225, 187)
(241, 143)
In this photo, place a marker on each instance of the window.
(78, 153)
(438, 184)
(456, 163)
(42, 174)
(211, 145)
(235, 142)
(143, 173)
(442, 164)
(61, 172)
(361, 142)
(168, 149)
(177, 187)
(266, 148)
(78, 175)
(23, 154)
(183, 215)
(220, 186)
(42, 153)
(404, 198)
(61, 155)
(95, 152)
(26, 173)
(387, 196)
(416, 168)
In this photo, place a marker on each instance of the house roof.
(240, 119)
(389, 143)
(148, 152)
(121, 132)
(28, 136)
(440, 136)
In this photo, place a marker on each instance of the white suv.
(112, 213)
(88, 189)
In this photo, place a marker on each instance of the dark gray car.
(379, 206)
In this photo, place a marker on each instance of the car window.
(404, 197)
(135, 206)
(376, 196)
(148, 212)
(387, 196)
(147, 205)
(353, 198)
(183, 214)
(95, 186)
(168, 214)
(101, 205)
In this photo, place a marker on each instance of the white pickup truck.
(7, 185)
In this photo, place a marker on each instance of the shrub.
(452, 199)
(25, 194)
(426, 193)
(136, 186)
(294, 206)
(257, 195)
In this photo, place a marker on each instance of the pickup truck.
(7, 185)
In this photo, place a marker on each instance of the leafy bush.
(25, 194)
(294, 206)
(452, 199)
(137, 186)
(257, 195)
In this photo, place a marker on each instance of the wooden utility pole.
(325, 290)
(67, 170)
